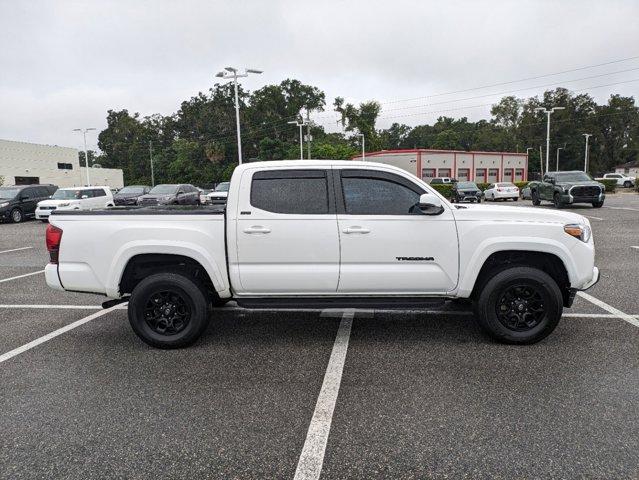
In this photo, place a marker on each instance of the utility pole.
(548, 113)
(586, 153)
(363, 146)
(558, 148)
(308, 134)
(527, 162)
(86, 152)
(232, 73)
(151, 159)
(301, 125)
(541, 161)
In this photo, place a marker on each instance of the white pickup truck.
(324, 233)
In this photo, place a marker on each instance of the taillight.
(53, 238)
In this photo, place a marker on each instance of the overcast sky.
(63, 64)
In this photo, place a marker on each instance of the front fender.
(129, 250)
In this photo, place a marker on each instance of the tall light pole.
(151, 159)
(548, 113)
(301, 125)
(527, 160)
(308, 134)
(86, 153)
(541, 162)
(363, 146)
(558, 148)
(586, 153)
(232, 73)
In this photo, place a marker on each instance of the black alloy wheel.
(167, 313)
(520, 307)
(557, 201)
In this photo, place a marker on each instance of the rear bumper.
(52, 278)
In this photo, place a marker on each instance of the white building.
(26, 163)
(474, 166)
(629, 168)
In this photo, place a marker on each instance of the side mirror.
(24, 197)
(180, 193)
(84, 196)
(552, 180)
(430, 204)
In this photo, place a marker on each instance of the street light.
(548, 113)
(301, 125)
(558, 148)
(586, 153)
(232, 73)
(363, 146)
(86, 155)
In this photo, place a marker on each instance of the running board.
(340, 302)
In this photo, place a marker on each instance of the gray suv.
(171, 194)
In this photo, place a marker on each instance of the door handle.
(356, 229)
(257, 229)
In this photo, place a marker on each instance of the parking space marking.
(309, 466)
(20, 276)
(618, 313)
(594, 218)
(623, 208)
(634, 246)
(54, 307)
(16, 249)
(38, 341)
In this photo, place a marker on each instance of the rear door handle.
(356, 229)
(257, 229)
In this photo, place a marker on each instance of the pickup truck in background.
(319, 234)
(567, 188)
(622, 179)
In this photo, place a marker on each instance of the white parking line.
(623, 208)
(594, 218)
(617, 313)
(20, 276)
(54, 307)
(38, 341)
(311, 460)
(16, 249)
(634, 246)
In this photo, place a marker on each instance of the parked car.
(171, 194)
(525, 193)
(129, 195)
(76, 198)
(622, 179)
(204, 199)
(565, 188)
(442, 180)
(502, 191)
(20, 201)
(334, 233)
(466, 192)
(219, 195)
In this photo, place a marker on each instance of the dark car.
(129, 195)
(566, 188)
(466, 192)
(171, 194)
(20, 201)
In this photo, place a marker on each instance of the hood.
(587, 183)
(158, 195)
(127, 195)
(483, 212)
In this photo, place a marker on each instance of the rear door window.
(291, 191)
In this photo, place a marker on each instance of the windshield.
(164, 189)
(132, 190)
(222, 187)
(66, 194)
(466, 185)
(7, 192)
(573, 177)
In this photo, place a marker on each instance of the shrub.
(521, 185)
(445, 189)
(610, 184)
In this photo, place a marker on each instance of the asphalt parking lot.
(357, 394)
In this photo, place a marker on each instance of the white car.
(220, 194)
(623, 180)
(76, 198)
(318, 233)
(501, 191)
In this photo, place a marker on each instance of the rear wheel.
(16, 215)
(534, 196)
(556, 199)
(168, 310)
(598, 204)
(627, 184)
(519, 305)
(516, 198)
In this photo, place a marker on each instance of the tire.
(516, 199)
(179, 294)
(44, 220)
(556, 199)
(544, 306)
(479, 200)
(627, 185)
(597, 204)
(16, 215)
(534, 196)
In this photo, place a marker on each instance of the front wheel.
(168, 310)
(556, 199)
(516, 198)
(597, 204)
(16, 215)
(534, 196)
(478, 200)
(519, 305)
(627, 184)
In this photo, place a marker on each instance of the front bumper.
(42, 214)
(593, 280)
(570, 198)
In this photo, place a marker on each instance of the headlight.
(577, 230)
(566, 189)
(4, 204)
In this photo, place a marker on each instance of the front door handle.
(257, 229)
(356, 229)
